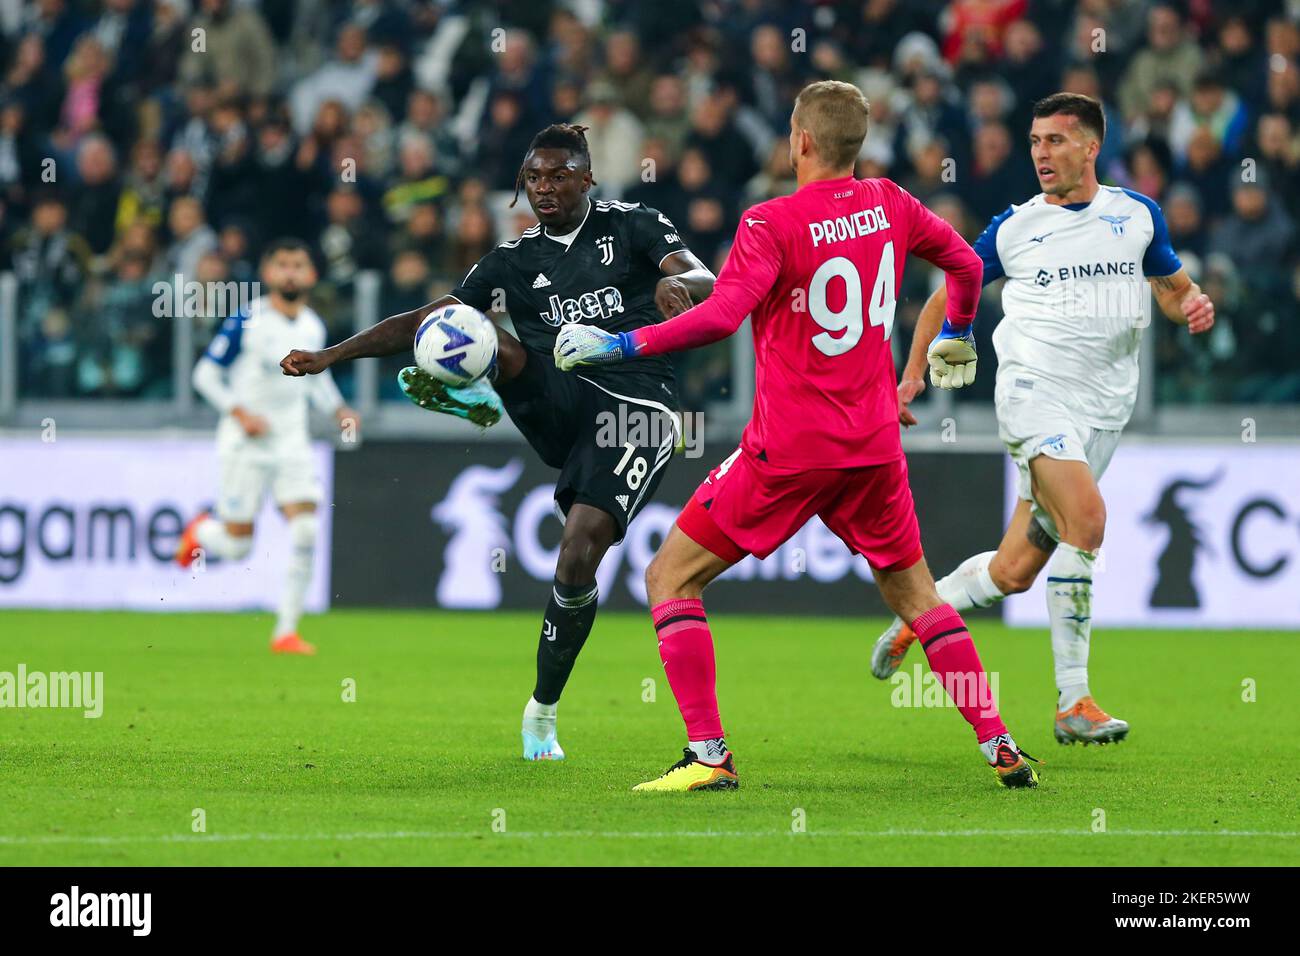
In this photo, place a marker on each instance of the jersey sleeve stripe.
(986, 246)
(227, 343)
(1160, 258)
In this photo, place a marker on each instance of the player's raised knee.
(667, 579)
(1086, 525)
(653, 574)
(580, 554)
(657, 579)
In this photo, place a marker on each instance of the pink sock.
(954, 660)
(686, 648)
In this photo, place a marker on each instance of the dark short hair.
(285, 244)
(1086, 109)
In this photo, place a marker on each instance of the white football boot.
(539, 732)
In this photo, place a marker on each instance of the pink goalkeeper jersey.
(819, 271)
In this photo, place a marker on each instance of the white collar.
(566, 240)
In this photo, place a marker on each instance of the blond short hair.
(836, 115)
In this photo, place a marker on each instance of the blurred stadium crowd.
(170, 159)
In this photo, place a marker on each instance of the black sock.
(569, 616)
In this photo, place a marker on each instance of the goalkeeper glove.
(952, 357)
(587, 345)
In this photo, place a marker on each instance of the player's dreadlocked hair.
(556, 136)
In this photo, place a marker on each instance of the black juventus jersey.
(605, 277)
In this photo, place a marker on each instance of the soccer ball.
(457, 345)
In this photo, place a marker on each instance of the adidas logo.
(622, 500)
(541, 282)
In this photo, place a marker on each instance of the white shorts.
(247, 471)
(1033, 426)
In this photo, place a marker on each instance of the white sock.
(709, 751)
(539, 719)
(1069, 607)
(214, 539)
(970, 585)
(302, 534)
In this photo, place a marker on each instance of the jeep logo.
(600, 304)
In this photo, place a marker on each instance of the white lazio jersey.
(1076, 299)
(248, 350)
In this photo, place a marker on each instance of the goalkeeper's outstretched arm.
(912, 382)
(951, 349)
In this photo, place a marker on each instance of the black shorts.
(611, 440)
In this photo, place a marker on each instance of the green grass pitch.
(423, 767)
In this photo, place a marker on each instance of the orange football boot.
(188, 549)
(292, 644)
(1087, 723)
(890, 649)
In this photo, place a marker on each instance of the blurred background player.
(1074, 258)
(263, 438)
(824, 437)
(621, 263)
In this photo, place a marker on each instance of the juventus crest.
(606, 246)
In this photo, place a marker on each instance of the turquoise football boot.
(477, 403)
(547, 749)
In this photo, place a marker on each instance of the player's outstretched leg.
(981, 580)
(953, 659)
(477, 403)
(1068, 492)
(570, 614)
(303, 525)
(675, 582)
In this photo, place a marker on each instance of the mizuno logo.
(749, 221)
(541, 282)
(1039, 238)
